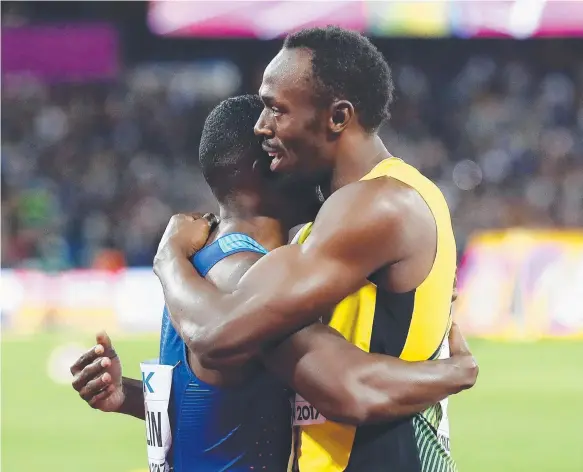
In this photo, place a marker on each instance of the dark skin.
(292, 286)
(98, 372)
(363, 388)
(98, 379)
(295, 285)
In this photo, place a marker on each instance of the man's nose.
(262, 127)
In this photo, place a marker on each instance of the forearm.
(288, 288)
(133, 404)
(191, 300)
(390, 388)
(349, 385)
(194, 305)
(227, 329)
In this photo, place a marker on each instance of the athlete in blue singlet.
(224, 421)
(240, 420)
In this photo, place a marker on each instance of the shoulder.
(226, 274)
(233, 254)
(381, 197)
(379, 206)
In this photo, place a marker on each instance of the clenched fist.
(186, 234)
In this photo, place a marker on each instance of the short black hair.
(228, 144)
(346, 65)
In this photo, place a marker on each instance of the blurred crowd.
(502, 139)
(91, 173)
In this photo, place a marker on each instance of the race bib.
(305, 414)
(157, 383)
(443, 427)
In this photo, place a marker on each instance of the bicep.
(320, 365)
(291, 287)
(308, 361)
(353, 236)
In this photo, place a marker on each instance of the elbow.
(214, 352)
(353, 404)
(344, 410)
(208, 361)
(203, 344)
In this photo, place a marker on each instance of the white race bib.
(443, 427)
(305, 414)
(157, 383)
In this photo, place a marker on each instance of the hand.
(186, 234)
(455, 293)
(98, 376)
(462, 357)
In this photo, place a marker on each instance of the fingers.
(457, 343)
(188, 217)
(93, 370)
(93, 402)
(86, 359)
(212, 220)
(198, 232)
(95, 386)
(104, 340)
(460, 353)
(209, 218)
(192, 215)
(185, 234)
(455, 293)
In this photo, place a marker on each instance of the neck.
(266, 230)
(357, 157)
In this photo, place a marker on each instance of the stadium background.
(102, 109)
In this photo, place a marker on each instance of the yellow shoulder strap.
(303, 234)
(383, 168)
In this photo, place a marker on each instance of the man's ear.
(341, 113)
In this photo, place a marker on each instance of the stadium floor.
(524, 415)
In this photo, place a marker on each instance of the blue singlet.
(244, 428)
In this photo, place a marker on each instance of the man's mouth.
(276, 160)
(275, 155)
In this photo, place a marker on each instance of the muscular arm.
(290, 287)
(343, 382)
(349, 385)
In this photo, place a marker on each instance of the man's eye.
(275, 111)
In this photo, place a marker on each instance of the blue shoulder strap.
(206, 258)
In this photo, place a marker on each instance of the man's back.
(225, 420)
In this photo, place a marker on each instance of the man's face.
(293, 128)
(286, 196)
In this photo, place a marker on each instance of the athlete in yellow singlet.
(379, 260)
(411, 325)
